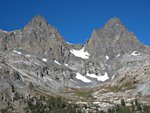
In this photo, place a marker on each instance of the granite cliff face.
(112, 64)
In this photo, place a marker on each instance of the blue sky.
(76, 19)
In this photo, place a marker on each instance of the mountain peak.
(38, 17)
(37, 20)
(114, 38)
(114, 22)
(39, 23)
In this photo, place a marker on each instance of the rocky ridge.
(112, 64)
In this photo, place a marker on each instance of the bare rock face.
(113, 39)
(39, 41)
(40, 38)
(3, 44)
(76, 46)
(112, 62)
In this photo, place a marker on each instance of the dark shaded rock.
(76, 46)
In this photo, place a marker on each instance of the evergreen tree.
(12, 88)
(123, 102)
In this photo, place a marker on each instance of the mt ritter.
(36, 61)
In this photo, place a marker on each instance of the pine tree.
(123, 102)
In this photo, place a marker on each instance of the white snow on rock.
(99, 78)
(66, 64)
(107, 57)
(80, 53)
(44, 59)
(135, 53)
(81, 102)
(5, 31)
(112, 77)
(17, 52)
(57, 62)
(96, 102)
(92, 75)
(82, 78)
(118, 55)
(27, 55)
(104, 77)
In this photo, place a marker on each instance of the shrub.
(30, 85)
(12, 88)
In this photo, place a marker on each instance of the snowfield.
(17, 52)
(44, 59)
(66, 64)
(82, 78)
(5, 31)
(99, 78)
(135, 53)
(80, 53)
(118, 55)
(57, 62)
(107, 57)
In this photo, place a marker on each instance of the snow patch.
(118, 55)
(99, 78)
(80, 53)
(112, 77)
(82, 78)
(107, 57)
(27, 55)
(135, 53)
(82, 102)
(104, 77)
(57, 62)
(96, 102)
(17, 52)
(44, 59)
(66, 64)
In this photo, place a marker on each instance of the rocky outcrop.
(40, 38)
(3, 43)
(113, 39)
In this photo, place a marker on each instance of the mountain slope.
(40, 38)
(112, 64)
(113, 39)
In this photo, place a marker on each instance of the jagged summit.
(114, 38)
(40, 38)
(39, 23)
(39, 17)
(114, 20)
(114, 25)
(38, 20)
